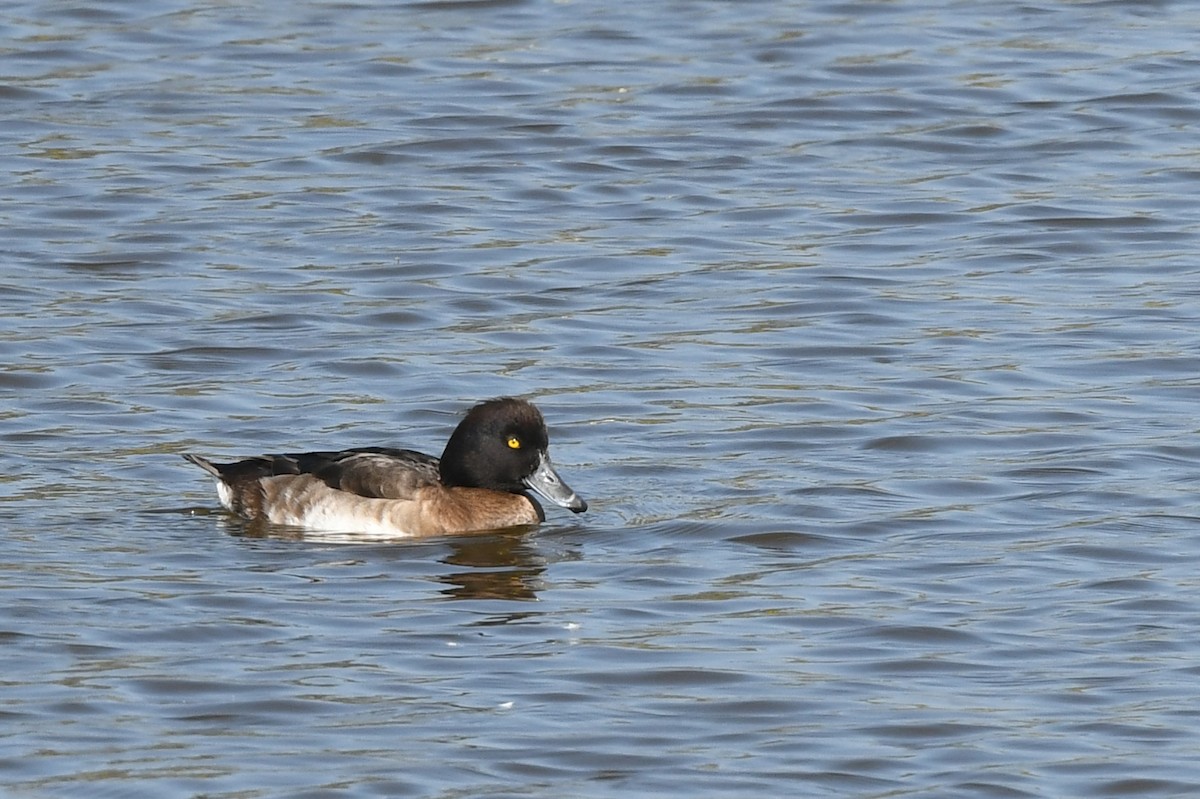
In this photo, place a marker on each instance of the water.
(869, 330)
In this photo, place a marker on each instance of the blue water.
(869, 331)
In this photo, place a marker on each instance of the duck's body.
(496, 453)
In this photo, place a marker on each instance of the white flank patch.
(225, 495)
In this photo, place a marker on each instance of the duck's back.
(380, 472)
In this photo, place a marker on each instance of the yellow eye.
(514, 442)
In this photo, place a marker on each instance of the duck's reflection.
(497, 565)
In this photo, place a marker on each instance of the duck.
(495, 465)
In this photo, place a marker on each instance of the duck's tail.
(203, 463)
(248, 469)
(239, 484)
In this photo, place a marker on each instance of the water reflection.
(498, 566)
(494, 565)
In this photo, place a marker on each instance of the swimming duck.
(496, 455)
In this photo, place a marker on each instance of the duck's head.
(502, 444)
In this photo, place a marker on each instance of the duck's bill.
(546, 483)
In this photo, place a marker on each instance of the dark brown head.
(502, 444)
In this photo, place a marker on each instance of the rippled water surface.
(870, 330)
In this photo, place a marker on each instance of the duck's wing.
(380, 472)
